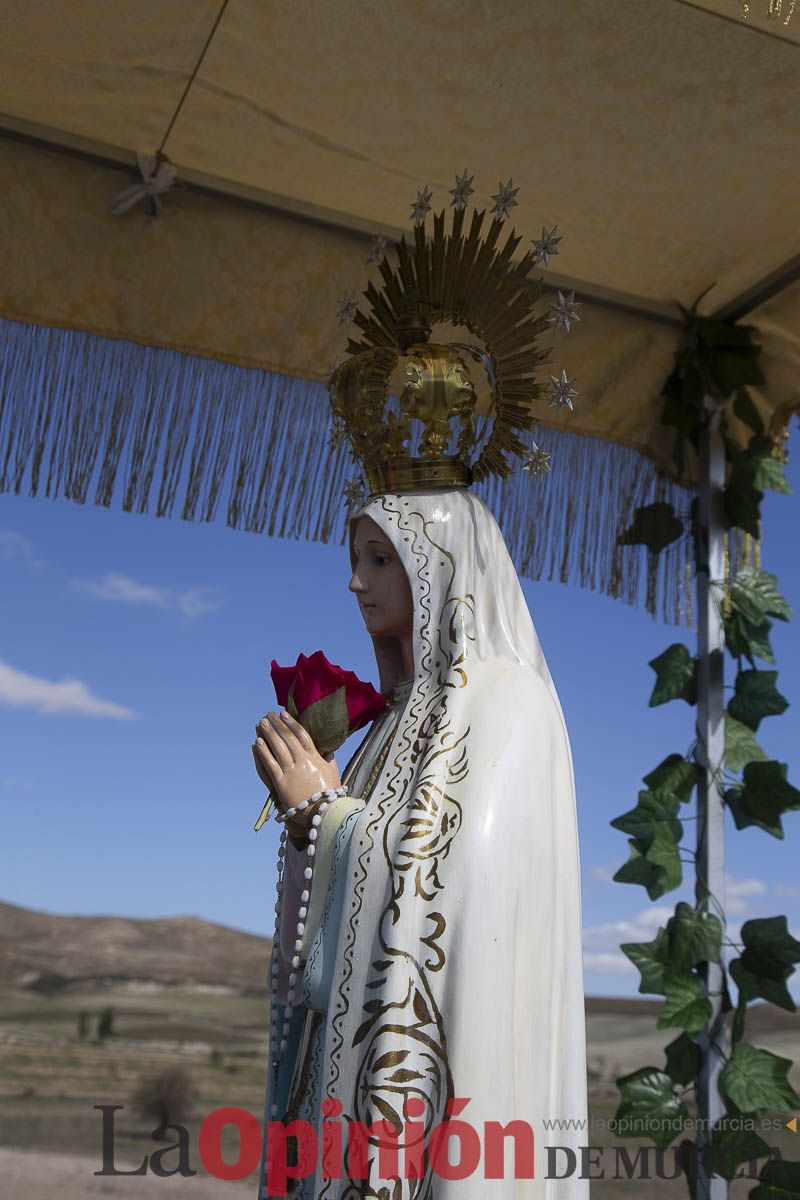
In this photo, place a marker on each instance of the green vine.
(717, 360)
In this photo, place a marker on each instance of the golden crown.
(408, 404)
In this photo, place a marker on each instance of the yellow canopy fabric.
(661, 137)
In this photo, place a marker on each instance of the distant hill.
(47, 953)
(51, 953)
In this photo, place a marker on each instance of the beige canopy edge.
(216, 279)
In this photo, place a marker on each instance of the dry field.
(51, 1078)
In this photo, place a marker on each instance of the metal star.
(354, 493)
(504, 200)
(562, 392)
(546, 245)
(536, 462)
(348, 308)
(378, 249)
(565, 311)
(422, 206)
(462, 191)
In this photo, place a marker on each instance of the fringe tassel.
(178, 431)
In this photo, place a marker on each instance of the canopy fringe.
(168, 431)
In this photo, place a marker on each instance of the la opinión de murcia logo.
(296, 1151)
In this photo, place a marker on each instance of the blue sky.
(134, 662)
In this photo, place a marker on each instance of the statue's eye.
(382, 559)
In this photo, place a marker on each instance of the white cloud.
(640, 928)
(601, 942)
(69, 696)
(606, 963)
(191, 602)
(602, 873)
(14, 545)
(738, 893)
(789, 891)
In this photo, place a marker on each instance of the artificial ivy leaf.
(746, 640)
(676, 676)
(740, 744)
(752, 986)
(766, 962)
(742, 502)
(656, 867)
(652, 961)
(768, 939)
(755, 1081)
(762, 796)
(769, 475)
(683, 1059)
(641, 821)
(637, 869)
(730, 368)
(731, 1146)
(683, 397)
(765, 466)
(685, 1004)
(754, 594)
(745, 409)
(675, 774)
(715, 332)
(650, 1105)
(694, 937)
(778, 1180)
(755, 697)
(664, 853)
(654, 526)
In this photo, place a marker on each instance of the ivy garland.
(719, 360)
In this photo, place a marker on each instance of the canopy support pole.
(710, 753)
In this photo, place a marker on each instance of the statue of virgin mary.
(427, 972)
(440, 961)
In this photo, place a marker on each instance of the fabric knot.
(158, 175)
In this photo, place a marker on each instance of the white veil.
(458, 969)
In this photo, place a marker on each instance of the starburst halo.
(434, 276)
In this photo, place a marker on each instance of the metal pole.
(710, 877)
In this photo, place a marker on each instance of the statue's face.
(380, 583)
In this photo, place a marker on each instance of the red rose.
(327, 701)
